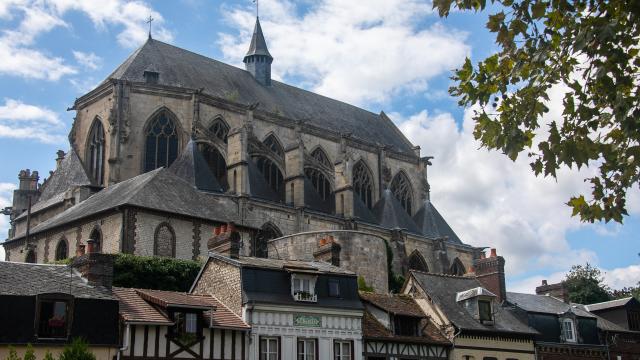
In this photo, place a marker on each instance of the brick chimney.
(97, 268)
(557, 290)
(490, 273)
(225, 240)
(328, 251)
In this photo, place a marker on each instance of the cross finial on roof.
(149, 20)
(257, 7)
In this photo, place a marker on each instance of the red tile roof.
(173, 298)
(223, 317)
(134, 309)
(398, 304)
(372, 329)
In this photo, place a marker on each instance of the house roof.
(159, 189)
(134, 309)
(545, 304)
(319, 267)
(431, 224)
(606, 305)
(443, 289)
(606, 325)
(223, 317)
(167, 299)
(397, 304)
(181, 68)
(373, 329)
(33, 279)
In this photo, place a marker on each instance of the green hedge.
(150, 272)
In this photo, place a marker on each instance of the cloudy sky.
(395, 56)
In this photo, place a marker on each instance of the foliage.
(48, 356)
(395, 281)
(626, 292)
(586, 285)
(77, 350)
(13, 355)
(590, 50)
(362, 285)
(151, 272)
(29, 353)
(66, 261)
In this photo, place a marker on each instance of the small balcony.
(305, 296)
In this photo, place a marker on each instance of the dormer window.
(479, 303)
(405, 325)
(185, 328)
(151, 77)
(568, 330)
(53, 316)
(303, 287)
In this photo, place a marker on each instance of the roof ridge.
(608, 301)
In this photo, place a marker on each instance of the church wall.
(415, 176)
(146, 225)
(208, 113)
(84, 119)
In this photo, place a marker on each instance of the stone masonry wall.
(222, 280)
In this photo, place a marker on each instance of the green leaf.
(538, 9)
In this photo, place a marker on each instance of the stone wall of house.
(360, 252)
(222, 280)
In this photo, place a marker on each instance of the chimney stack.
(59, 159)
(97, 268)
(490, 273)
(557, 290)
(225, 240)
(328, 251)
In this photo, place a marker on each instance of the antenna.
(149, 20)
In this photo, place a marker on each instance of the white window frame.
(266, 350)
(339, 355)
(301, 283)
(568, 324)
(308, 349)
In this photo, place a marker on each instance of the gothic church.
(173, 147)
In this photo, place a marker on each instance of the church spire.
(258, 60)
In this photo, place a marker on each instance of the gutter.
(125, 342)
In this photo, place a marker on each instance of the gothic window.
(363, 183)
(457, 268)
(95, 152)
(162, 142)
(216, 163)
(62, 250)
(164, 241)
(271, 174)
(31, 257)
(266, 233)
(319, 182)
(219, 129)
(401, 189)
(321, 156)
(96, 236)
(417, 262)
(274, 145)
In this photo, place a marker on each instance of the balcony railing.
(305, 296)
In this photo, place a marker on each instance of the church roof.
(431, 224)
(258, 44)
(390, 213)
(181, 68)
(159, 190)
(193, 168)
(70, 173)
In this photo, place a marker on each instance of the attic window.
(151, 77)
(406, 325)
(484, 310)
(303, 288)
(568, 330)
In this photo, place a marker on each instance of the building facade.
(274, 159)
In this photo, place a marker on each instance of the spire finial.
(257, 7)
(149, 20)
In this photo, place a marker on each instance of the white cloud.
(6, 193)
(89, 60)
(23, 121)
(19, 55)
(351, 51)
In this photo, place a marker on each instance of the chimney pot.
(544, 283)
(493, 253)
(483, 255)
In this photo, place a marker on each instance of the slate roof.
(192, 167)
(431, 224)
(443, 289)
(606, 325)
(159, 189)
(181, 68)
(258, 45)
(545, 304)
(611, 304)
(319, 267)
(32, 279)
(398, 304)
(390, 214)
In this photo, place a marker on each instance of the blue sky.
(395, 56)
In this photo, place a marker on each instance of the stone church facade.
(174, 146)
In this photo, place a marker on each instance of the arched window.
(96, 236)
(95, 152)
(62, 249)
(417, 262)
(271, 173)
(457, 268)
(216, 163)
(162, 142)
(266, 233)
(164, 241)
(401, 189)
(319, 182)
(272, 143)
(31, 257)
(321, 156)
(363, 183)
(219, 129)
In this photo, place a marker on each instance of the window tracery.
(457, 268)
(363, 183)
(161, 142)
(216, 162)
(95, 152)
(417, 262)
(274, 145)
(319, 182)
(321, 156)
(219, 129)
(401, 189)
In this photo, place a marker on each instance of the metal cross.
(149, 20)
